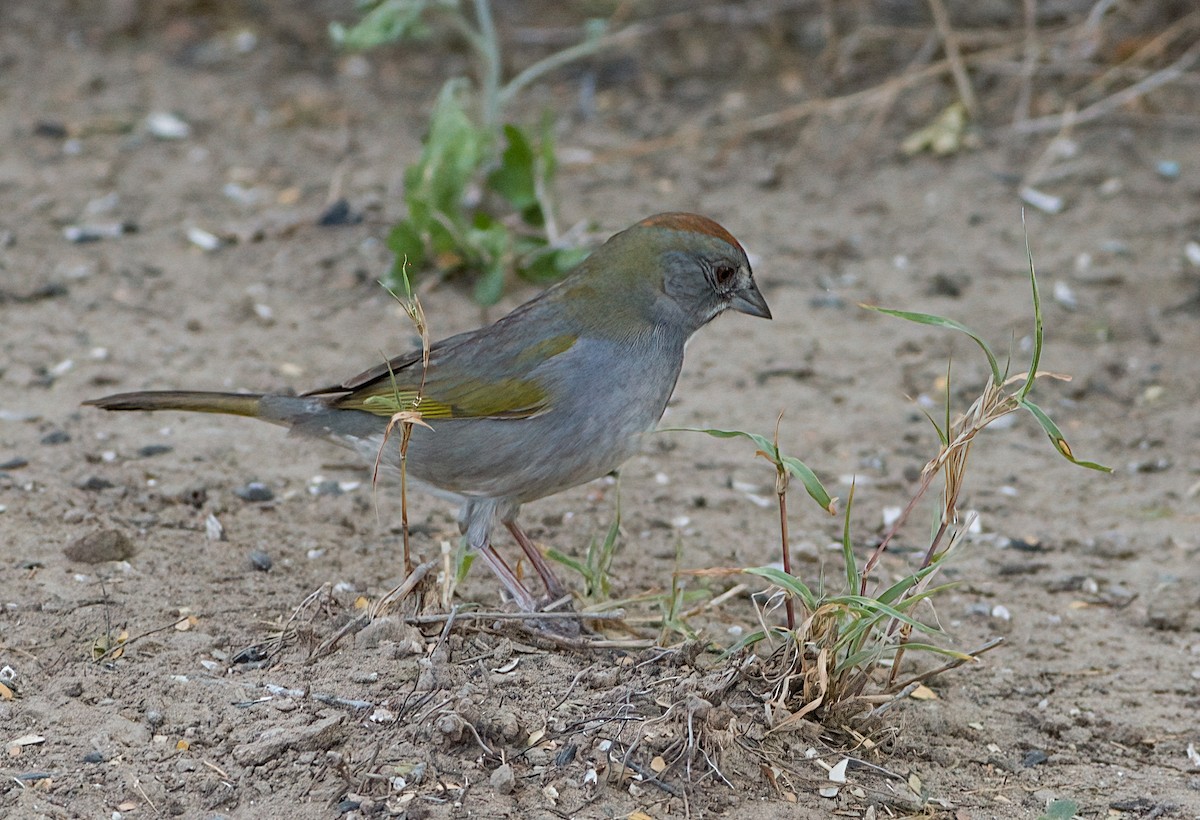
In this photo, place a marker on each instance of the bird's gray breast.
(602, 396)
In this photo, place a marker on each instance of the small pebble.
(503, 779)
(327, 486)
(99, 546)
(260, 560)
(203, 240)
(254, 491)
(1042, 201)
(51, 129)
(1167, 169)
(167, 126)
(93, 757)
(214, 530)
(56, 437)
(1192, 251)
(339, 213)
(1034, 757)
(14, 463)
(151, 450)
(94, 484)
(94, 232)
(1064, 295)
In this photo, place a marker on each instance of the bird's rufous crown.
(690, 223)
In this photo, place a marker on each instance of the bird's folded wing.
(469, 377)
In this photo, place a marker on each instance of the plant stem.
(488, 47)
(787, 557)
(558, 60)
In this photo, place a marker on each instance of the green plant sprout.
(474, 206)
(595, 568)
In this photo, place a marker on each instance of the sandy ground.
(1092, 579)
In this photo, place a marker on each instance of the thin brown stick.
(1095, 111)
(481, 615)
(789, 603)
(954, 664)
(1154, 48)
(958, 70)
(1028, 63)
(121, 645)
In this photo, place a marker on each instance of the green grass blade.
(789, 583)
(853, 578)
(893, 593)
(812, 484)
(864, 604)
(1037, 321)
(1057, 439)
(794, 466)
(941, 321)
(568, 561)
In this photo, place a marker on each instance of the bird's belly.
(523, 459)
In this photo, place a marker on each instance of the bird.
(557, 393)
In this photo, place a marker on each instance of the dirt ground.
(1093, 580)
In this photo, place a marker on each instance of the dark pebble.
(1027, 545)
(251, 654)
(260, 560)
(56, 437)
(1034, 757)
(948, 284)
(566, 755)
(254, 491)
(95, 484)
(339, 213)
(327, 487)
(93, 757)
(14, 463)
(51, 129)
(100, 546)
(152, 450)
(347, 806)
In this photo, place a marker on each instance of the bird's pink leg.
(553, 585)
(523, 598)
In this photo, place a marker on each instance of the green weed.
(842, 652)
(479, 197)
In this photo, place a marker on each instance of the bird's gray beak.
(749, 301)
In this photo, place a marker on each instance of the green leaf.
(789, 583)
(853, 579)
(811, 483)
(404, 240)
(1060, 810)
(384, 22)
(490, 286)
(941, 321)
(793, 466)
(1037, 321)
(515, 179)
(872, 605)
(1057, 439)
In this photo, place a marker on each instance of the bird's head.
(673, 268)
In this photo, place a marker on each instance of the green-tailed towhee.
(554, 394)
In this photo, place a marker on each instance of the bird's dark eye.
(724, 274)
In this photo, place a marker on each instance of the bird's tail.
(195, 401)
